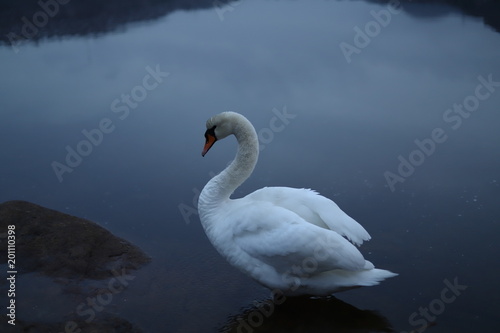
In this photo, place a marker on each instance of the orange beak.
(210, 140)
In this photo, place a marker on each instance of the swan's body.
(285, 238)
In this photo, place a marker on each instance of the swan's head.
(221, 126)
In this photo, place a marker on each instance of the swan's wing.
(313, 208)
(282, 239)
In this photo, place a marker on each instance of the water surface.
(380, 130)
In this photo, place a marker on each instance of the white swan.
(289, 240)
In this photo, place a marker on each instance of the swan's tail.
(330, 282)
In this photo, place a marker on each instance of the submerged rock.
(107, 324)
(64, 246)
(69, 275)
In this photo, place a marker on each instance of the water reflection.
(486, 9)
(32, 20)
(302, 314)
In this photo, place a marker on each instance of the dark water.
(384, 108)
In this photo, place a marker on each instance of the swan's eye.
(210, 131)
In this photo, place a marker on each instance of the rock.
(64, 246)
(73, 262)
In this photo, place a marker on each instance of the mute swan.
(287, 239)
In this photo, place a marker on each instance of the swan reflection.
(302, 314)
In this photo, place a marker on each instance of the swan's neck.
(220, 187)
